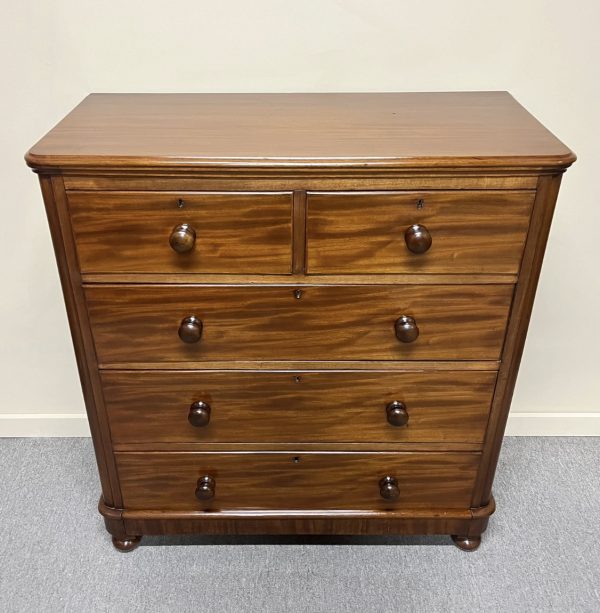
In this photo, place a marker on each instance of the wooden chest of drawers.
(298, 313)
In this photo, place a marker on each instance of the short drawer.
(417, 232)
(286, 481)
(166, 232)
(296, 407)
(148, 323)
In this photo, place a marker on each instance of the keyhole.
(296, 460)
(420, 203)
(180, 203)
(297, 379)
(298, 294)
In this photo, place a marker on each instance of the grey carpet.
(541, 552)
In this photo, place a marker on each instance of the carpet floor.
(540, 553)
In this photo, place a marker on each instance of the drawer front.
(143, 323)
(286, 481)
(470, 232)
(296, 407)
(117, 232)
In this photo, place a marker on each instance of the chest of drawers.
(298, 313)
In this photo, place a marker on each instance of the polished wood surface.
(260, 178)
(55, 203)
(417, 237)
(190, 329)
(366, 232)
(183, 238)
(406, 329)
(298, 313)
(298, 406)
(397, 413)
(467, 543)
(294, 280)
(198, 415)
(432, 130)
(159, 481)
(385, 522)
(516, 333)
(314, 365)
(132, 232)
(126, 543)
(205, 488)
(327, 323)
(389, 488)
(389, 521)
(326, 524)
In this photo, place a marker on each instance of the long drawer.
(304, 481)
(296, 407)
(410, 232)
(433, 322)
(171, 232)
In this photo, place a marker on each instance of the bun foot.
(127, 543)
(467, 543)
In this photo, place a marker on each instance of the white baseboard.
(519, 424)
(553, 424)
(52, 424)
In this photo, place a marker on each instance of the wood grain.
(55, 203)
(297, 407)
(299, 233)
(329, 524)
(256, 323)
(398, 130)
(516, 332)
(297, 280)
(315, 366)
(128, 232)
(297, 178)
(300, 446)
(363, 232)
(161, 481)
(389, 522)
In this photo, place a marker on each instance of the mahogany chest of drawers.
(298, 313)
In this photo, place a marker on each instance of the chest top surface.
(398, 130)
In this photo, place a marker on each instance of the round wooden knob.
(406, 329)
(199, 414)
(205, 488)
(183, 238)
(396, 412)
(417, 238)
(388, 488)
(190, 329)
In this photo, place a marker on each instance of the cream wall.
(545, 52)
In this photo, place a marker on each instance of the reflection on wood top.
(392, 130)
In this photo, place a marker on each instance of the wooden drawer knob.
(406, 329)
(183, 238)
(397, 415)
(417, 238)
(190, 329)
(388, 488)
(205, 489)
(199, 414)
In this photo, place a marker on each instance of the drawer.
(296, 407)
(285, 481)
(131, 232)
(144, 323)
(374, 232)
